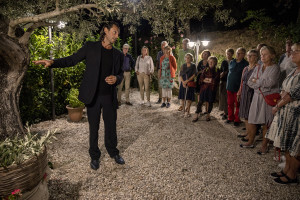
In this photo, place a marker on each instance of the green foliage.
(118, 45)
(265, 26)
(259, 21)
(73, 98)
(35, 99)
(129, 42)
(18, 150)
(220, 59)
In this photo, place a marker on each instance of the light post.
(60, 26)
(51, 75)
(196, 46)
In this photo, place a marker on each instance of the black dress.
(186, 73)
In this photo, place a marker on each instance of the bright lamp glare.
(205, 43)
(61, 24)
(191, 44)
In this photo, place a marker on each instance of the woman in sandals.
(285, 128)
(245, 93)
(187, 74)
(209, 81)
(264, 81)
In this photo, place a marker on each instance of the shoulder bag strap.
(259, 87)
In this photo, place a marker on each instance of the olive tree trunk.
(14, 59)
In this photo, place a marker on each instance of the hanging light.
(205, 42)
(191, 44)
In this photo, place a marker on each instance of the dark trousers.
(199, 106)
(105, 104)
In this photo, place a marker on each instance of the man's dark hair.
(107, 25)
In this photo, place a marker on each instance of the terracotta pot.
(75, 114)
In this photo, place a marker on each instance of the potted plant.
(75, 107)
(23, 163)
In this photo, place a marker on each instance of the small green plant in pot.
(75, 107)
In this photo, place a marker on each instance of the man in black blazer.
(98, 88)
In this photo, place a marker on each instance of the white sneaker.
(148, 104)
(142, 102)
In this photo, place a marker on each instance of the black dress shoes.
(95, 164)
(119, 159)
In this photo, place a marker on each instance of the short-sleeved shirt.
(235, 74)
(181, 55)
(187, 72)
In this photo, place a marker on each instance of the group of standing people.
(268, 98)
(255, 90)
(165, 71)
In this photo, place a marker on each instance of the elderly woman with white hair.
(264, 81)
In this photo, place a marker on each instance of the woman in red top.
(167, 71)
(209, 80)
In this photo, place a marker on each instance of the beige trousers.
(126, 79)
(144, 81)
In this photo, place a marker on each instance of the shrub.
(73, 100)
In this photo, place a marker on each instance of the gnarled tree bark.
(14, 59)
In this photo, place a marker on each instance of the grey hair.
(186, 39)
(126, 46)
(164, 42)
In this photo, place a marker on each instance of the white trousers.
(166, 93)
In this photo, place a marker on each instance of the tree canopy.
(86, 16)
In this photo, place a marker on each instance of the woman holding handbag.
(264, 81)
(187, 86)
(168, 67)
(209, 81)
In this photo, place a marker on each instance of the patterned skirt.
(285, 130)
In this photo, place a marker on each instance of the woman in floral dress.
(167, 71)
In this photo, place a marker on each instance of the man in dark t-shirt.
(98, 88)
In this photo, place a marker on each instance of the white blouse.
(144, 65)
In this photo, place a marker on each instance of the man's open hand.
(46, 63)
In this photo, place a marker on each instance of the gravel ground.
(167, 157)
